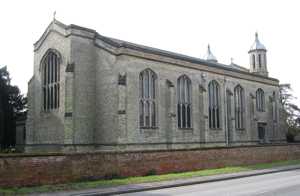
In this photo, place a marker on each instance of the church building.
(90, 92)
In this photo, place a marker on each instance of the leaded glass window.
(184, 105)
(214, 104)
(147, 101)
(50, 81)
(239, 107)
(260, 100)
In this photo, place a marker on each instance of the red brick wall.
(37, 169)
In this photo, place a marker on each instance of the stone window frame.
(260, 100)
(214, 108)
(50, 67)
(148, 99)
(239, 105)
(184, 102)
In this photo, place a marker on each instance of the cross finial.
(54, 14)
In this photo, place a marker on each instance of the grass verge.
(144, 179)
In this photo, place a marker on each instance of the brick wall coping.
(47, 154)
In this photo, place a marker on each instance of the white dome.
(257, 45)
(209, 55)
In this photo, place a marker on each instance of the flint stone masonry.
(99, 98)
(52, 168)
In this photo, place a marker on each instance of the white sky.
(184, 26)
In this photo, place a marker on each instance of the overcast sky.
(184, 26)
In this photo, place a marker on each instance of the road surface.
(276, 184)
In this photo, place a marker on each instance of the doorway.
(261, 127)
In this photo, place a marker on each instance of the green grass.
(136, 180)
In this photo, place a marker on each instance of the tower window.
(214, 104)
(147, 103)
(259, 60)
(184, 105)
(253, 60)
(51, 78)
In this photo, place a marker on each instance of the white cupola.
(209, 56)
(258, 57)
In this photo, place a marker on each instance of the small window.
(259, 60)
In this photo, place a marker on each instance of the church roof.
(210, 62)
(120, 44)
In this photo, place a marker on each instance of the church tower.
(258, 58)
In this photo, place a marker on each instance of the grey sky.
(184, 26)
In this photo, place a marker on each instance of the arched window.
(147, 103)
(259, 60)
(184, 105)
(260, 100)
(253, 60)
(239, 107)
(50, 78)
(214, 104)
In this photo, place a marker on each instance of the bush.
(290, 137)
(9, 150)
(293, 131)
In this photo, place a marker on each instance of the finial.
(256, 35)
(209, 56)
(54, 13)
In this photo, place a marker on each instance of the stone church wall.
(167, 131)
(99, 98)
(47, 127)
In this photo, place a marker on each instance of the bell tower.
(258, 58)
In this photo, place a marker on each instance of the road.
(276, 184)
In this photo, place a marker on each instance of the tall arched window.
(260, 100)
(253, 60)
(51, 78)
(214, 104)
(239, 107)
(184, 105)
(147, 104)
(259, 60)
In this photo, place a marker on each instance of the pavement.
(135, 188)
(286, 183)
